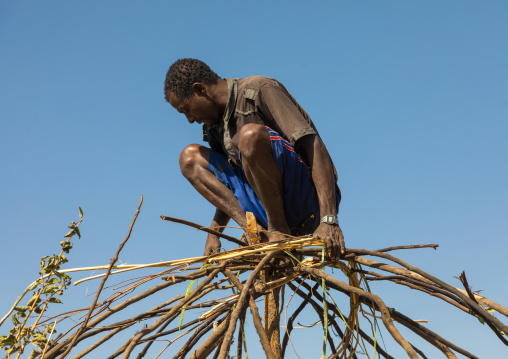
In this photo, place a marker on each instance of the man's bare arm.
(322, 175)
(213, 243)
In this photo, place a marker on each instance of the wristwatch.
(329, 219)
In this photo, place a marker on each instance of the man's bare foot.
(276, 234)
(272, 235)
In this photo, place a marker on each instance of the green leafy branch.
(51, 284)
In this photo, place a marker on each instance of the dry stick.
(239, 342)
(171, 331)
(198, 333)
(204, 229)
(409, 323)
(428, 289)
(217, 352)
(375, 345)
(424, 332)
(194, 275)
(153, 312)
(333, 308)
(360, 331)
(390, 268)
(413, 246)
(137, 337)
(123, 347)
(113, 261)
(205, 328)
(129, 322)
(486, 302)
(52, 352)
(289, 325)
(49, 338)
(263, 337)
(446, 351)
(241, 303)
(57, 349)
(239, 339)
(499, 326)
(422, 286)
(318, 308)
(99, 342)
(396, 270)
(419, 351)
(212, 341)
(161, 332)
(463, 279)
(319, 311)
(168, 321)
(385, 313)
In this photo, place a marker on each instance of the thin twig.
(113, 261)
(204, 229)
(241, 303)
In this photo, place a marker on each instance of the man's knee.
(252, 138)
(192, 156)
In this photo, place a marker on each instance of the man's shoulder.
(249, 87)
(256, 81)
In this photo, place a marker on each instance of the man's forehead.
(174, 100)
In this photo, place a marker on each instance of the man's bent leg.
(194, 161)
(264, 176)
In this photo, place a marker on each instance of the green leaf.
(52, 281)
(183, 308)
(70, 233)
(31, 301)
(54, 300)
(34, 354)
(242, 328)
(10, 340)
(481, 320)
(80, 213)
(33, 286)
(325, 317)
(66, 246)
(21, 308)
(39, 339)
(77, 232)
(49, 328)
(50, 289)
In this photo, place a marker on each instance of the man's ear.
(199, 89)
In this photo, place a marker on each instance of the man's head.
(190, 89)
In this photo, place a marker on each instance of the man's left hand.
(332, 235)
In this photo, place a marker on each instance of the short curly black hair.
(184, 73)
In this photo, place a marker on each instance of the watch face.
(329, 219)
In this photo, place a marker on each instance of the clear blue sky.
(411, 99)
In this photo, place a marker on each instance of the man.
(265, 155)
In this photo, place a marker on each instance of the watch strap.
(329, 219)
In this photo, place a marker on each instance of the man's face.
(197, 108)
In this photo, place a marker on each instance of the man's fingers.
(341, 241)
(332, 248)
(333, 238)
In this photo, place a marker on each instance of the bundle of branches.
(273, 272)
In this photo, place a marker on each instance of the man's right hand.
(212, 245)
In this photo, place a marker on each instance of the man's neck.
(219, 93)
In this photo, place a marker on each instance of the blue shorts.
(301, 202)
